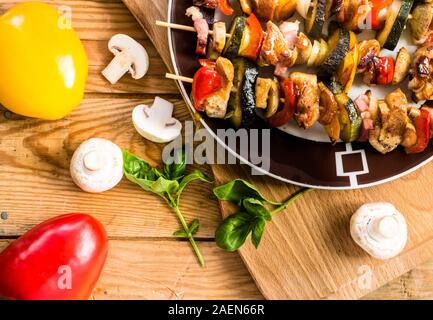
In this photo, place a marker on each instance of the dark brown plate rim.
(409, 164)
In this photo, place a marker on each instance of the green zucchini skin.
(248, 94)
(350, 119)
(336, 57)
(399, 24)
(234, 108)
(319, 20)
(332, 84)
(237, 28)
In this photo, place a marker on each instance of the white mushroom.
(129, 55)
(97, 165)
(155, 122)
(379, 229)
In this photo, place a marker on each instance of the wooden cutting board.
(307, 252)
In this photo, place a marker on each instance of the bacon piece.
(210, 4)
(362, 102)
(202, 28)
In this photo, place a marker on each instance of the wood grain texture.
(160, 269)
(144, 260)
(35, 183)
(307, 251)
(309, 245)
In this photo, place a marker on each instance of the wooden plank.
(141, 269)
(414, 285)
(98, 20)
(328, 263)
(95, 20)
(158, 269)
(308, 253)
(35, 182)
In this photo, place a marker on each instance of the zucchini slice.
(389, 36)
(319, 19)
(347, 70)
(348, 117)
(242, 101)
(248, 94)
(237, 28)
(234, 107)
(333, 85)
(311, 17)
(338, 46)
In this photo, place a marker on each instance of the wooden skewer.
(181, 27)
(176, 77)
(189, 80)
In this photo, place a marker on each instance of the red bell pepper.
(206, 82)
(422, 127)
(225, 7)
(377, 6)
(59, 259)
(255, 37)
(286, 113)
(384, 70)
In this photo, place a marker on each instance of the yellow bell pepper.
(43, 64)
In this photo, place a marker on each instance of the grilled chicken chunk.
(263, 86)
(275, 48)
(265, 9)
(304, 46)
(391, 123)
(216, 104)
(307, 108)
(421, 82)
(328, 105)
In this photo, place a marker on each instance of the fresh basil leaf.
(163, 185)
(235, 191)
(138, 168)
(256, 208)
(195, 175)
(175, 169)
(257, 232)
(193, 227)
(234, 230)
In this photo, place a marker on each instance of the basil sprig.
(169, 185)
(252, 216)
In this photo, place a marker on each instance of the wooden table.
(145, 261)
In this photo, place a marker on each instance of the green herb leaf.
(235, 191)
(193, 227)
(256, 208)
(140, 172)
(138, 168)
(195, 175)
(166, 186)
(234, 230)
(257, 233)
(176, 169)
